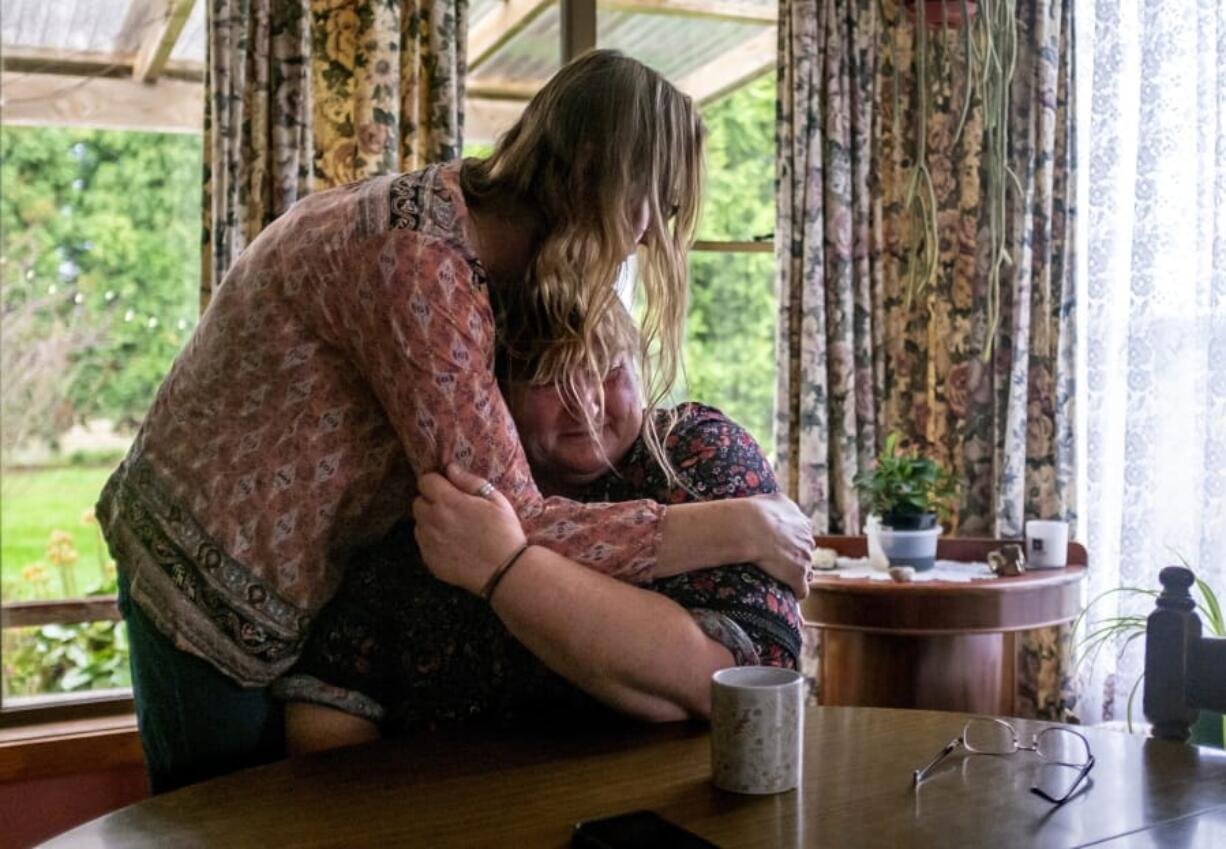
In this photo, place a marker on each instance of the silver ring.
(485, 490)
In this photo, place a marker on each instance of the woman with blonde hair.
(412, 641)
(348, 352)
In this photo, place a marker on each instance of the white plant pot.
(917, 549)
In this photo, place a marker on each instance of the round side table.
(936, 645)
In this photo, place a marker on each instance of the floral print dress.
(407, 651)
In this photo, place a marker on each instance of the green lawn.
(32, 505)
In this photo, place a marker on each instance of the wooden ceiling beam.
(486, 120)
(45, 60)
(577, 27)
(724, 10)
(166, 21)
(110, 103)
(496, 88)
(499, 25)
(172, 106)
(79, 63)
(733, 69)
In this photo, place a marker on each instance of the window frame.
(21, 711)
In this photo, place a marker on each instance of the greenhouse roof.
(138, 64)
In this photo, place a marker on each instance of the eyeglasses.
(1065, 753)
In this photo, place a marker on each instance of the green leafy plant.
(65, 658)
(905, 484)
(69, 657)
(1122, 631)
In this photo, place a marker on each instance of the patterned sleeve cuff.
(307, 688)
(732, 636)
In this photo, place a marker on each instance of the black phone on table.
(635, 830)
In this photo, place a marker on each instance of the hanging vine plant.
(987, 30)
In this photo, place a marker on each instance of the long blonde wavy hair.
(605, 136)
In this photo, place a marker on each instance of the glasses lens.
(1058, 746)
(989, 737)
(1055, 780)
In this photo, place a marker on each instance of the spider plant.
(1122, 631)
(988, 60)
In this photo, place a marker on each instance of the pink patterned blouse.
(349, 349)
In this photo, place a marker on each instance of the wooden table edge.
(941, 632)
(1033, 580)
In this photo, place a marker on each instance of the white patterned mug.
(1046, 544)
(757, 729)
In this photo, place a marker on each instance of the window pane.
(52, 547)
(99, 281)
(730, 351)
(730, 339)
(724, 58)
(65, 659)
(504, 72)
(739, 203)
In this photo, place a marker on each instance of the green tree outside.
(730, 337)
(101, 232)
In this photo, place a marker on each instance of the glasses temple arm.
(1081, 776)
(922, 773)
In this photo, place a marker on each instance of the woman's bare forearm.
(767, 530)
(312, 728)
(631, 648)
(704, 534)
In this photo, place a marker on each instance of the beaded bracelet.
(487, 592)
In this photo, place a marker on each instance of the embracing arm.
(631, 648)
(311, 727)
(418, 327)
(766, 530)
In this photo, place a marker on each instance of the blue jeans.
(195, 722)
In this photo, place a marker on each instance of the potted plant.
(1122, 631)
(909, 493)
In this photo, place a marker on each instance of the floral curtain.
(304, 95)
(1154, 106)
(388, 78)
(828, 255)
(861, 350)
(257, 139)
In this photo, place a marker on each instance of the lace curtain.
(1152, 117)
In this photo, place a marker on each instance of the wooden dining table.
(530, 787)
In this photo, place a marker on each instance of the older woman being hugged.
(398, 650)
(349, 351)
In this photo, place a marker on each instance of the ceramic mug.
(1046, 544)
(757, 729)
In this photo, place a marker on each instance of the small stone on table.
(902, 574)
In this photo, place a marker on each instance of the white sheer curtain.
(1152, 118)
